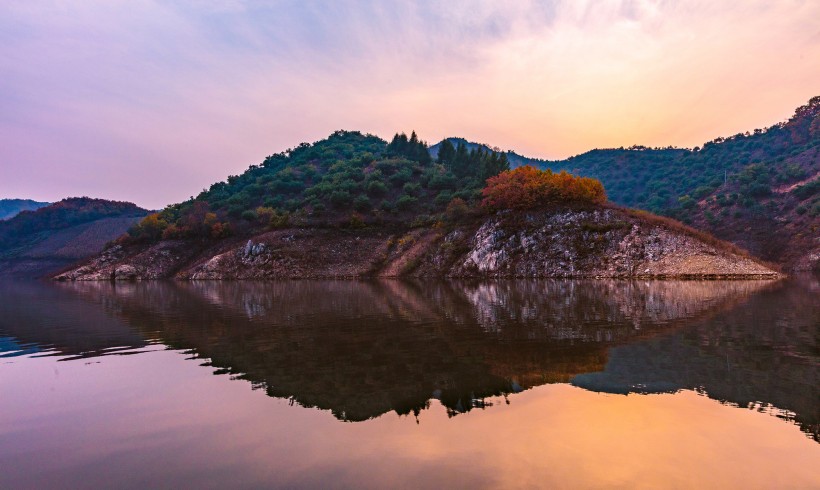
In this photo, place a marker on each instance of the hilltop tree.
(460, 165)
(494, 164)
(446, 153)
(411, 148)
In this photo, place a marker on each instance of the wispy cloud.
(152, 101)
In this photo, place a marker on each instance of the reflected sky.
(122, 389)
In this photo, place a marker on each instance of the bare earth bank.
(564, 242)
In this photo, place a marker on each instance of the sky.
(152, 101)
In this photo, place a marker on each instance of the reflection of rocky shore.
(589, 310)
(763, 352)
(362, 349)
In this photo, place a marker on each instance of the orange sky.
(152, 101)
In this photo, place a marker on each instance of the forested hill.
(352, 179)
(349, 179)
(759, 189)
(9, 208)
(665, 180)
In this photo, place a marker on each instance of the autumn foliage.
(527, 187)
(198, 221)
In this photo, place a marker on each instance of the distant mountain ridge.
(52, 237)
(9, 208)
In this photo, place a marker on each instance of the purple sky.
(152, 101)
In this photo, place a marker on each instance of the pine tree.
(461, 162)
(446, 153)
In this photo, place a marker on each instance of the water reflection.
(362, 349)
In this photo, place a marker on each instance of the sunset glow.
(152, 101)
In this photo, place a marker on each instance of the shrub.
(406, 202)
(340, 199)
(442, 180)
(402, 176)
(356, 221)
(376, 188)
(443, 198)
(421, 220)
(361, 204)
(456, 210)
(149, 228)
(387, 206)
(807, 190)
(527, 187)
(411, 188)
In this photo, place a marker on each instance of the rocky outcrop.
(563, 242)
(586, 243)
(119, 263)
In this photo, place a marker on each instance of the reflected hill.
(364, 348)
(37, 317)
(763, 354)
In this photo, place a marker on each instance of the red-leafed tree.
(527, 187)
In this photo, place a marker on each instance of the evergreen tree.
(411, 148)
(446, 153)
(493, 164)
(461, 162)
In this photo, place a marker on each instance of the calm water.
(407, 384)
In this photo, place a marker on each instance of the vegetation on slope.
(527, 187)
(669, 181)
(758, 190)
(348, 179)
(742, 188)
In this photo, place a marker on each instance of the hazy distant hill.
(10, 207)
(52, 237)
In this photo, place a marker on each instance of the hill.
(9, 208)
(775, 221)
(662, 180)
(53, 237)
(349, 179)
(757, 189)
(354, 205)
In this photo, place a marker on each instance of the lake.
(397, 384)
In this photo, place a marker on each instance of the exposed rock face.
(588, 243)
(567, 242)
